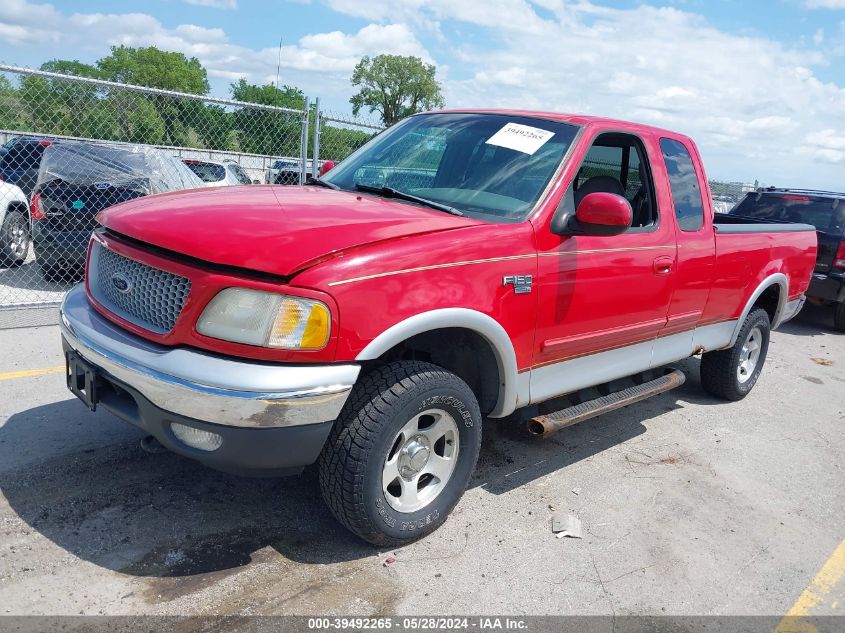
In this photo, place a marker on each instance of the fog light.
(197, 438)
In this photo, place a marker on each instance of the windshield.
(489, 166)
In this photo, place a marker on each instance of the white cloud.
(826, 146)
(216, 4)
(751, 103)
(320, 63)
(506, 77)
(825, 4)
(755, 106)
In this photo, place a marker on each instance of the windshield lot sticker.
(522, 138)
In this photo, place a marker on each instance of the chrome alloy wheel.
(749, 355)
(421, 460)
(17, 237)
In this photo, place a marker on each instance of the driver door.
(603, 299)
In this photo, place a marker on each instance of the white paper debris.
(566, 526)
(522, 138)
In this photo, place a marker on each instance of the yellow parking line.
(817, 593)
(26, 373)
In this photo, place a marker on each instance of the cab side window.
(617, 163)
(683, 181)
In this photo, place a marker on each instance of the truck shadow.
(813, 320)
(510, 458)
(93, 492)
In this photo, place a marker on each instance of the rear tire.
(839, 316)
(731, 373)
(401, 453)
(14, 239)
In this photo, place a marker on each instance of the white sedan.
(218, 174)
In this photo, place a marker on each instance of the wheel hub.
(413, 456)
(749, 355)
(421, 460)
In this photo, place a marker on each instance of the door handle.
(663, 265)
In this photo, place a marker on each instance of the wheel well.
(769, 300)
(18, 206)
(463, 352)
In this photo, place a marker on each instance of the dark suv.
(20, 159)
(77, 180)
(826, 211)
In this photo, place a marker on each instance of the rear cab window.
(683, 181)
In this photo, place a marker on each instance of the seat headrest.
(607, 184)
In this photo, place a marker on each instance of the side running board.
(547, 424)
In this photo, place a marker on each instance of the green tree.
(266, 131)
(71, 67)
(12, 108)
(154, 68)
(58, 106)
(268, 94)
(395, 87)
(336, 143)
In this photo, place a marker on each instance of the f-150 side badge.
(521, 283)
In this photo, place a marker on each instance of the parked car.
(218, 174)
(372, 329)
(20, 160)
(824, 210)
(78, 180)
(14, 226)
(283, 172)
(723, 203)
(286, 171)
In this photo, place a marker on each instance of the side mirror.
(327, 166)
(602, 213)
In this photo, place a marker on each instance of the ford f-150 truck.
(461, 266)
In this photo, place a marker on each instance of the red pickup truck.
(461, 266)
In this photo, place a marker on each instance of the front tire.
(731, 373)
(401, 453)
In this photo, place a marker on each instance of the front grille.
(143, 295)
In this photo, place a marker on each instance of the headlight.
(254, 317)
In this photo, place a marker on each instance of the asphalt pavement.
(689, 506)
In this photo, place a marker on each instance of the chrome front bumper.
(203, 386)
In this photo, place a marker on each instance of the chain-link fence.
(727, 194)
(72, 146)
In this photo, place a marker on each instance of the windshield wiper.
(311, 180)
(390, 192)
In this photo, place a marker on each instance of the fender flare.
(778, 279)
(485, 326)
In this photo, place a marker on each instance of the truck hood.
(271, 229)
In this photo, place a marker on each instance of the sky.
(759, 85)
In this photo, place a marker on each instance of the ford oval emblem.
(121, 283)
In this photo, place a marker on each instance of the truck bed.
(739, 224)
